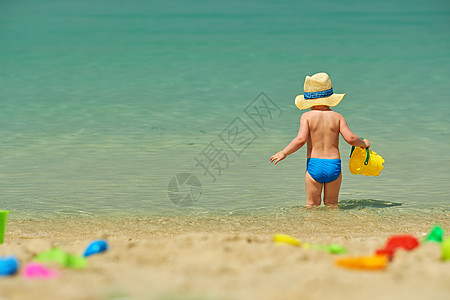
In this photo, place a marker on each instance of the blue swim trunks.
(323, 170)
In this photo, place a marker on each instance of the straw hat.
(318, 91)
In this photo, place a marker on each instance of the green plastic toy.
(58, 255)
(332, 248)
(3, 221)
(76, 261)
(436, 234)
(446, 249)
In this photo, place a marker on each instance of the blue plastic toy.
(8, 265)
(97, 246)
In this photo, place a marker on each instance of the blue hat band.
(315, 95)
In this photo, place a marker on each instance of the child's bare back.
(320, 129)
(323, 125)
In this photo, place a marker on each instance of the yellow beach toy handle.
(366, 162)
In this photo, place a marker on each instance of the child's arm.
(350, 137)
(296, 143)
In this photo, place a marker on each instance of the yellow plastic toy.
(286, 239)
(374, 262)
(365, 162)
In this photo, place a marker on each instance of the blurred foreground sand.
(224, 258)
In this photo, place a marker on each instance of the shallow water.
(102, 105)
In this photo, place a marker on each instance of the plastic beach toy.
(97, 246)
(331, 248)
(436, 234)
(446, 249)
(286, 239)
(34, 270)
(290, 240)
(365, 162)
(3, 221)
(374, 262)
(8, 265)
(58, 255)
(405, 242)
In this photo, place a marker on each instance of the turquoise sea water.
(102, 103)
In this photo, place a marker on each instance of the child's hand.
(277, 157)
(367, 143)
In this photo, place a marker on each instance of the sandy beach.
(225, 258)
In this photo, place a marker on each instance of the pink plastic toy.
(34, 270)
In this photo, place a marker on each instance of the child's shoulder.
(315, 113)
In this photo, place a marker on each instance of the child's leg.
(313, 191)
(331, 192)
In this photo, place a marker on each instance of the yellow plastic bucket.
(365, 162)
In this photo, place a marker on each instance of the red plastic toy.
(406, 242)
